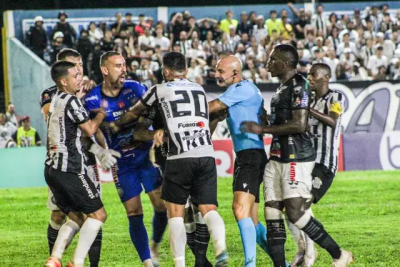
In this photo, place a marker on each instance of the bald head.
(229, 71)
(230, 62)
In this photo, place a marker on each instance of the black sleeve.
(300, 97)
(37, 137)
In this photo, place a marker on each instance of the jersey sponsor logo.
(297, 102)
(244, 185)
(93, 97)
(194, 136)
(191, 124)
(292, 174)
(304, 100)
(86, 186)
(165, 107)
(118, 113)
(46, 96)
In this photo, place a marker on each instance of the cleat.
(52, 262)
(221, 260)
(345, 259)
(309, 259)
(154, 253)
(298, 259)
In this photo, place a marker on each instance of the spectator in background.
(145, 74)
(116, 27)
(387, 23)
(332, 62)
(381, 75)
(376, 61)
(146, 41)
(26, 135)
(287, 28)
(56, 46)
(273, 23)
(132, 71)
(334, 37)
(177, 27)
(11, 116)
(300, 23)
(244, 25)
(388, 45)
(320, 22)
(95, 34)
(36, 38)
(367, 51)
(259, 30)
(183, 43)
(93, 64)
(7, 129)
(229, 20)
(353, 34)
(233, 36)
(139, 28)
(128, 24)
(334, 21)
(394, 66)
(161, 40)
(67, 30)
(347, 60)
(107, 44)
(357, 19)
(84, 47)
(346, 44)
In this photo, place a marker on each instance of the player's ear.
(186, 71)
(63, 82)
(104, 70)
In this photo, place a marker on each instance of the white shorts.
(92, 173)
(287, 180)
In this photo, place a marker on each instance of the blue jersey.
(245, 104)
(115, 107)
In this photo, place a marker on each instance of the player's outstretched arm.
(216, 106)
(90, 127)
(298, 124)
(131, 115)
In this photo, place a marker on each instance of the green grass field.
(361, 211)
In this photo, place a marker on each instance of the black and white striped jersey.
(327, 139)
(63, 133)
(184, 109)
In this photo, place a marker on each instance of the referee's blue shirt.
(245, 104)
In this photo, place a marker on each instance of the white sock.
(297, 236)
(190, 227)
(310, 250)
(64, 238)
(89, 231)
(177, 240)
(148, 263)
(216, 227)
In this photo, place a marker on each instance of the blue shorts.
(130, 182)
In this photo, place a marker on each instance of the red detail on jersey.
(293, 171)
(200, 124)
(121, 104)
(114, 174)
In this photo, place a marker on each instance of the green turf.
(361, 211)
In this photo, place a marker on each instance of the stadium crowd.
(358, 47)
(362, 46)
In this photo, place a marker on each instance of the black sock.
(202, 237)
(95, 250)
(51, 237)
(190, 241)
(276, 238)
(315, 230)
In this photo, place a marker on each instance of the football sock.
(95, 250)
(310, 249)
(201, 240)
(190, 236)
(262, 237)
(297, 236)
(52, 233)
(139, 237)
(88, 234)
(276, 241)
(177, 240)
(160, 221)
(64, 238)
(216, 228)
(315, 230)
(249, 239)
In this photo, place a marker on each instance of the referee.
(74, 192)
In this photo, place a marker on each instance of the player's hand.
(251, 127)
(87, 85)
(159, 138)
(152, 157)
(107, 157)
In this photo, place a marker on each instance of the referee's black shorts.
(249, 170)
(194, 177)
(73, 192)
(322, 179)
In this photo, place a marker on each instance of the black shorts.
(195, 177)
(73, 192)
(322, 179)
(249, 170)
